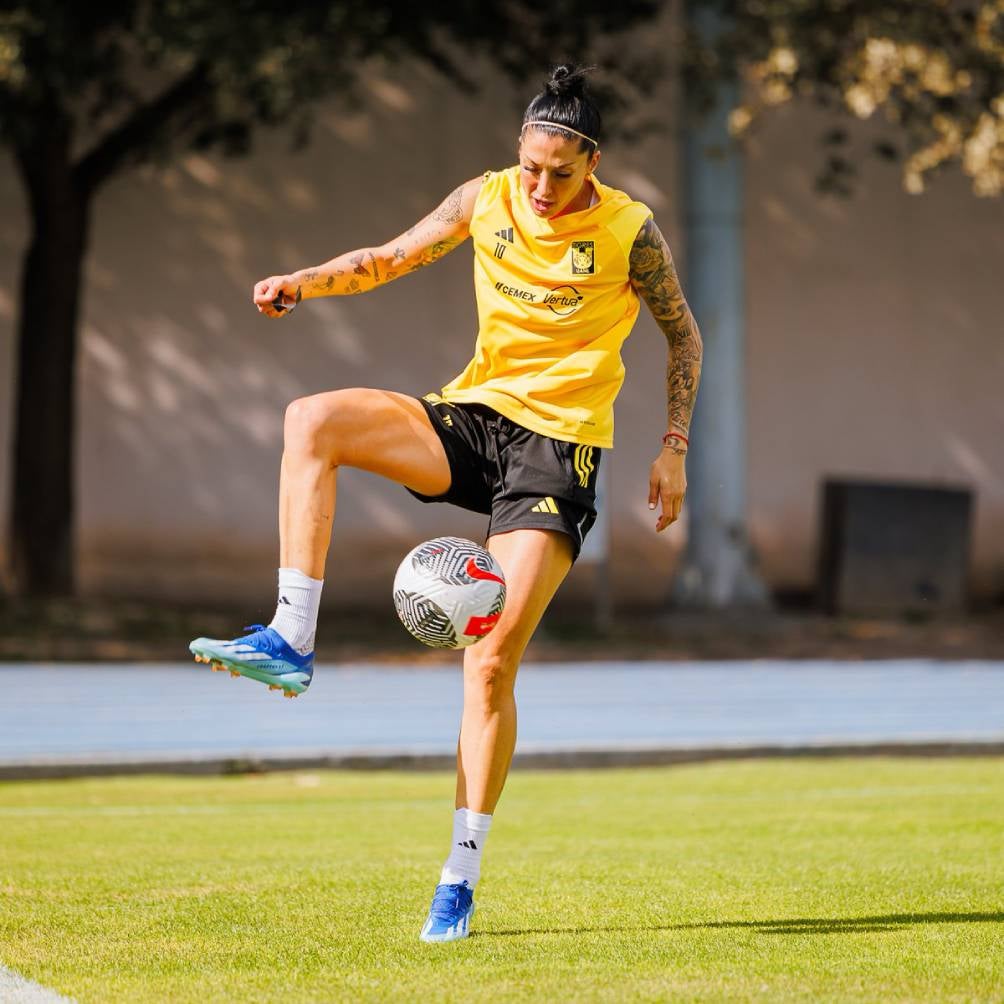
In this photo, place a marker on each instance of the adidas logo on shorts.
(545, 505)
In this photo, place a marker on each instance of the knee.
(309, 426)
(489, 679)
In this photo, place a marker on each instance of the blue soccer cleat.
(450, 913)
(262, 655)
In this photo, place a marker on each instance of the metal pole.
(717, 569)
(596, 551)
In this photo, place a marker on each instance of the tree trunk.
(42, 511)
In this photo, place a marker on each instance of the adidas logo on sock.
(282, 599)
(469, 844)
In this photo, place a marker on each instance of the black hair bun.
(567, 81)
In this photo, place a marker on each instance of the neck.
(580, 202)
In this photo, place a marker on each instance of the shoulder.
(495, 188)
(625, 218)
(501, 180)
(493, 185)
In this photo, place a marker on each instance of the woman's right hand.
(281, 287)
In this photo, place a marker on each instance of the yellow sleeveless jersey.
(554, 307)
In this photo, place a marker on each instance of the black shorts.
(520, 478)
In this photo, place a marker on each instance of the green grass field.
(842, 880)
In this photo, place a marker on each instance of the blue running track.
(109, 713)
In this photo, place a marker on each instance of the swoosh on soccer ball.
(476, 572)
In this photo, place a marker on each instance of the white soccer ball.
(449, 592)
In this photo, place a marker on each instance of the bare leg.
(535, 562)
(379, 431)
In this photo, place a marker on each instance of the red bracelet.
(674, 435)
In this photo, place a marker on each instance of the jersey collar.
(561, 225)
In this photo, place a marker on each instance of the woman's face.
(552, 170)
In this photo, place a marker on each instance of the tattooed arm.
(654, 278)
(445, 228)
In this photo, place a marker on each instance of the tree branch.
(136, 135)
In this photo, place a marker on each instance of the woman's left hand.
(667, 483)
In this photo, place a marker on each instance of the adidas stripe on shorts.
(519, 478)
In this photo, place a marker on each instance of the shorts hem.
(537, 524)
(453, 495)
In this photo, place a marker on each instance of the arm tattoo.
(654, 278)
(437, 236)
(436, 251)
(349, 273)
(450, 211)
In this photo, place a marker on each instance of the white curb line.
(15, 989)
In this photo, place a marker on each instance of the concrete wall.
(183, 385)
(875, 343)
(874, 346)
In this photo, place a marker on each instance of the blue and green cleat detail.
(264, 655)
(450, 914)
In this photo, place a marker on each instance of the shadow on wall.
(184, 384)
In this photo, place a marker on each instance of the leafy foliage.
(933, 68)
(131, 79)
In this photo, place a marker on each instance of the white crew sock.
(470, 831)
(296, 612)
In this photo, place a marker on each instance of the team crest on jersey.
(583, 258)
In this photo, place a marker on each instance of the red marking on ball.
(476, 572)
(478, 626)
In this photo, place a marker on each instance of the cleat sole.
(220, 664)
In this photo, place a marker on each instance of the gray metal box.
(890, 548)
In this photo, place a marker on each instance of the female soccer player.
(561, 261)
